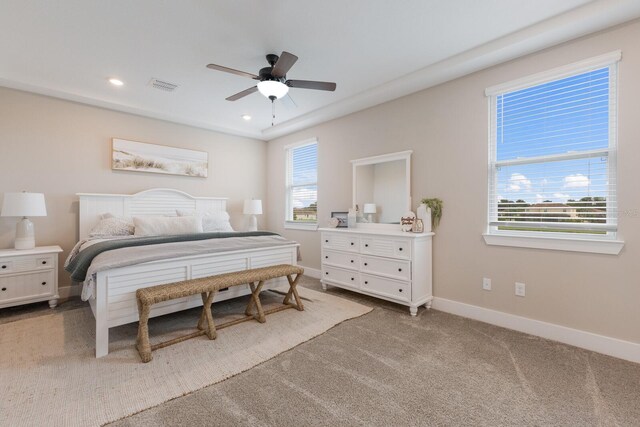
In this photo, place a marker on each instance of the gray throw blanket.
(79, 265)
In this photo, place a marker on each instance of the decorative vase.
(424, 213)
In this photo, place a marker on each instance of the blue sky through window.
(305, 175)
(562, 116)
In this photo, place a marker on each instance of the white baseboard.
(69, 291)
(311, 272)
(621, 349)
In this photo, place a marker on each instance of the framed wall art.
(144, 157)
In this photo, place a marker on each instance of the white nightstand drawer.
(345, 277)
(386, 287)
(27, 285)
(391, 248)
(388, 267)
(6, 266)
(342, 242)
(341, 259)
(44, 262)
(26, 263)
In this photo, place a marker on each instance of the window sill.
(596, 246)
(308, 226)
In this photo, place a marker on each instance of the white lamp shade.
(273, 88)
(23, 204)
(252, 207)
(369, 208)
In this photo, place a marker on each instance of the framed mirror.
(382, 187)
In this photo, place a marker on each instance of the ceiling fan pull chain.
(273, 112)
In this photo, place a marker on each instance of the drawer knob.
(44, 283)
(399, 269)
(326, 272)
(400, 290)
(4, 289)
(352, 278)
(326, 257)
(326, 241)
(351, 261)
(4, 266)
(366, 283)
(44, 262)
(351, 243)
(366, 245)
(366, 264)
(400, 249)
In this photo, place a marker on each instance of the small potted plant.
(435, 207)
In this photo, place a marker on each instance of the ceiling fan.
(273, 81)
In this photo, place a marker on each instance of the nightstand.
(29, 275)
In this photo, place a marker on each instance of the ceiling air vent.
(162, 85)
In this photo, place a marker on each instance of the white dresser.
(29, 275)
(388, 264)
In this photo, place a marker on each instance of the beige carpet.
(50, 377)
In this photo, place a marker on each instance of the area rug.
(49, 375)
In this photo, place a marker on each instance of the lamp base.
(253, 223)
(25, 236)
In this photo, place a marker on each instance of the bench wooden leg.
(255, 300)
(206, 318)
(142, 342)
(293, 291)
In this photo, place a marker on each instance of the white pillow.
(111, 225)
(167, 225)
(211, 220)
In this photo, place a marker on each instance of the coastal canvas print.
(145, 157)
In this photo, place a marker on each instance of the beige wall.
(61, 148)
(446, 127)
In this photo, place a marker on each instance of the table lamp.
(253, 208)
(23, 205)
(369, 208)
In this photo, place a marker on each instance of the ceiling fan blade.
(284, 64)
(232, 71)
(242, 94)
(288, 102)
(308, 84)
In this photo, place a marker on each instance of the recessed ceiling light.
(116, 82)
(246, 117)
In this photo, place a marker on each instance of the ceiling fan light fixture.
(271, 88)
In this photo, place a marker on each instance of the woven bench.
(207, 287)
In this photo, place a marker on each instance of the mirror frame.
(401, 155)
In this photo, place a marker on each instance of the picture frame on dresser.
(342, 218)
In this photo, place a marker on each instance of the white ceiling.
(69, 48)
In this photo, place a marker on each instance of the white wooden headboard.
(156, 201)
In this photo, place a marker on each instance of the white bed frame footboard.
(114, 300)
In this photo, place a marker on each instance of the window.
(302, 185)
(552, 165)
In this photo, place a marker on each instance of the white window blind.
(302, 183)
(552, 166)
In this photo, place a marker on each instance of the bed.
(113, 300)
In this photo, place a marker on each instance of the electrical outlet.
(486, 284)
(520, 289)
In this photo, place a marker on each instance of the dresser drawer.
(386, 287)
(343, 242)
(345, 277)
(341, 259)
(397, 269)
(386, 247)
(27, 285)
(26, 263)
